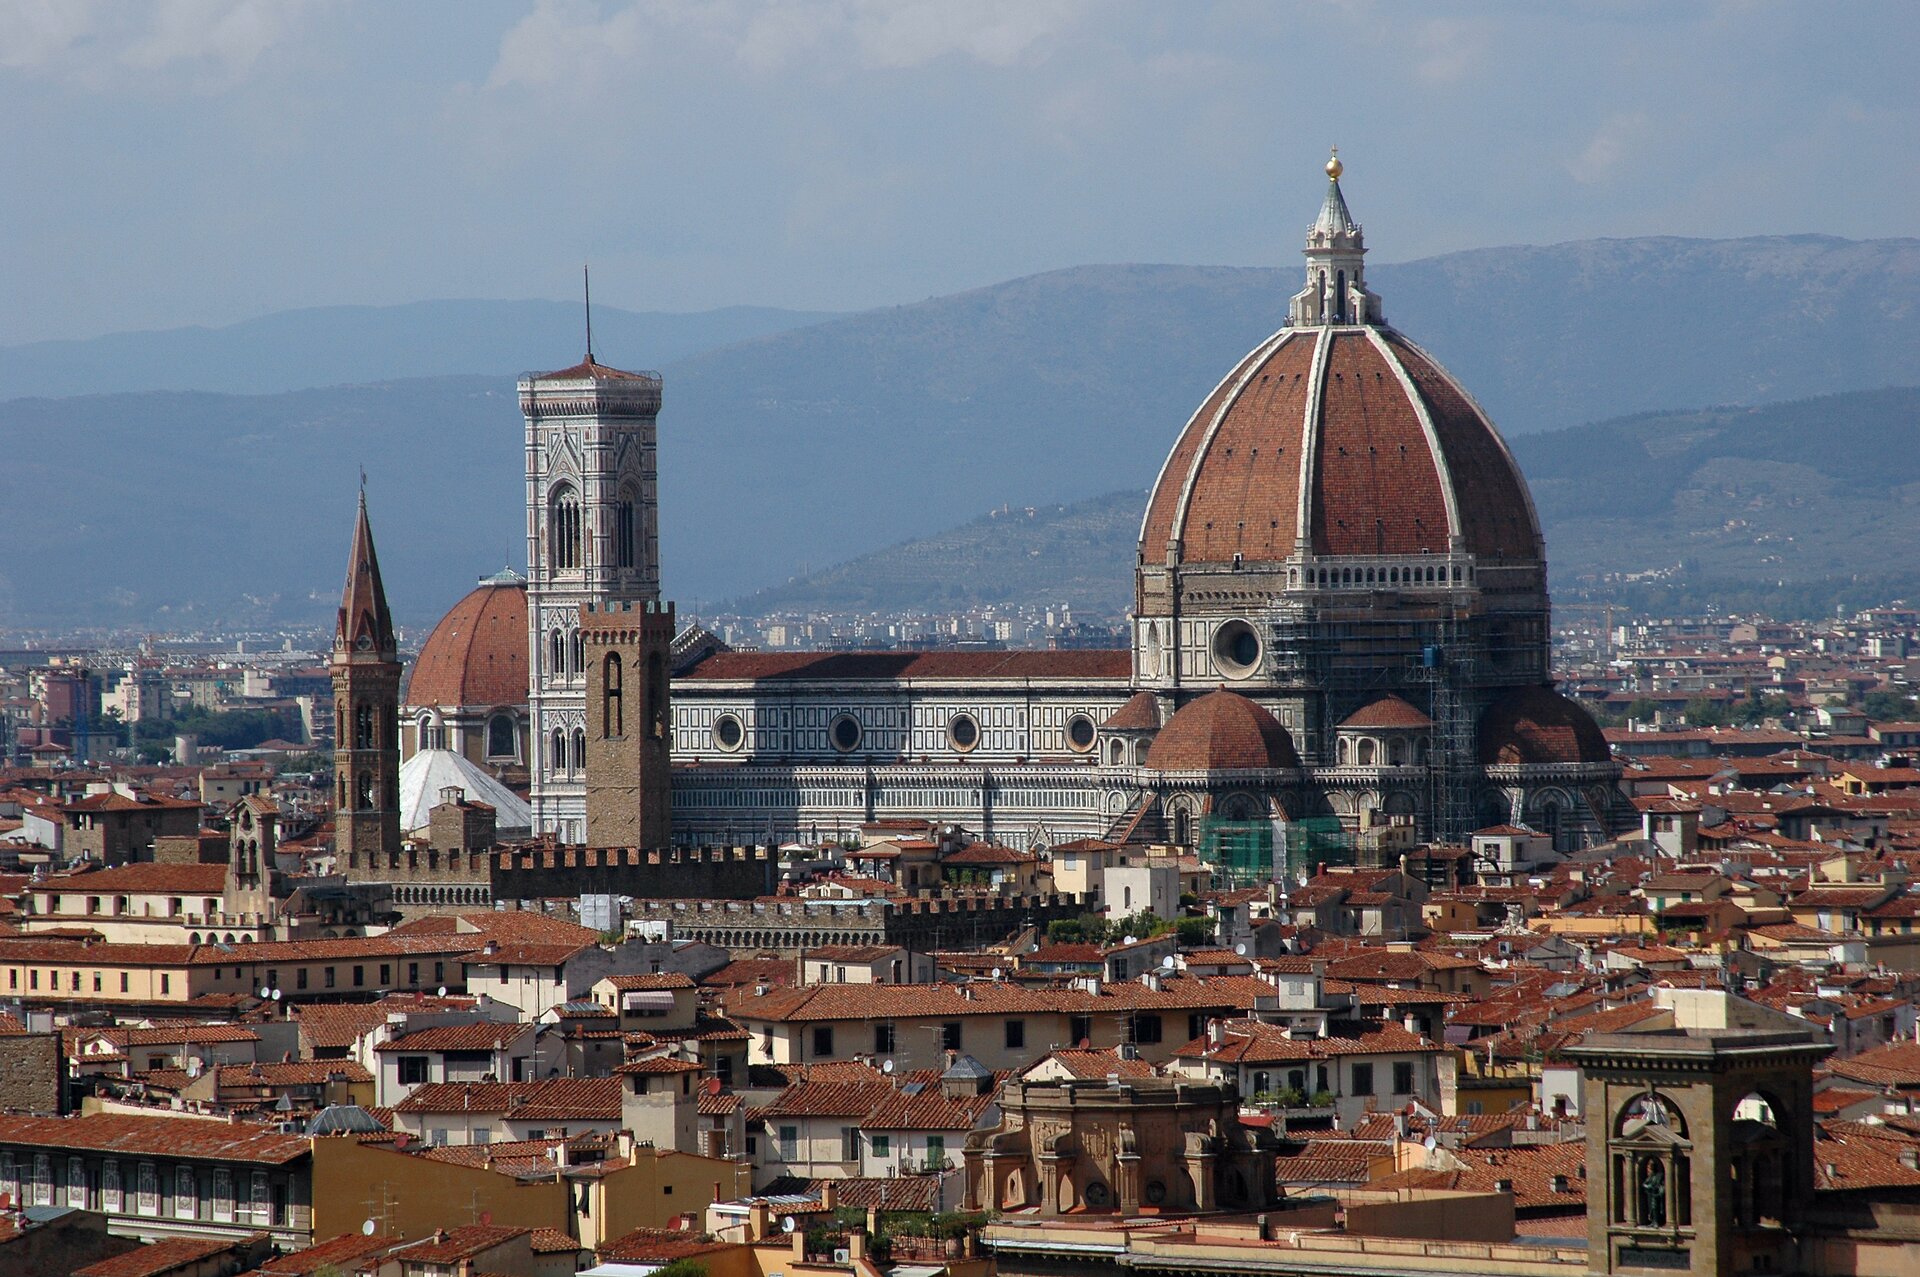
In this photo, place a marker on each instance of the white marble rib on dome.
(423, 776)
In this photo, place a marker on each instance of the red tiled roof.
(156, 1259)
(1538, 725)
(141, 1135)
(579, 1099)
(1389, 713)
(477, 654)
(457, 1244)
(487, 1036)
(147, 876)
(656, 981)
(340, 1254)
(1141, 713)
(1222, 731)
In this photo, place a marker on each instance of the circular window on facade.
(844, 732)
(963, 732)
(1156, 1192)
(1080, 732)
(728, 732)
(1236, 648)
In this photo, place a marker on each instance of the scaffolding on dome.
(1252, 853)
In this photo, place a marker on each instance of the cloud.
(561, 41)
(1615, 142)
(96, 45)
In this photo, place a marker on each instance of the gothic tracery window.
(563, 530)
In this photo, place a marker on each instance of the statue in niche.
(1653, 1194)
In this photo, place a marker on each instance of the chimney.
(799, 1246)
(828, 1195)
(759, 1220)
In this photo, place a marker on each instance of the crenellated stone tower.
(366, 695)
(629, 651)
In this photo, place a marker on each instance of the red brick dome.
(477, 654)
(1389, 713)
(1347, 440)
(1539, 725)
(1221, 731)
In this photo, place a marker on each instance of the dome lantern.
(1336, 289)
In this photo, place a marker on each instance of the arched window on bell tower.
(625, 533)
(612, 714)
(563, 529)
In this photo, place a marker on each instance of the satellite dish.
(786, 1223)
(265, 992)
(440, 992)
(1166, 963)
(1430, 1143)
(998, 974)
(276, 995)
(886, 1066)
(366, 1229)
(1241, 948)
(1130, 940)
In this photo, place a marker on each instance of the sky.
(188, 162)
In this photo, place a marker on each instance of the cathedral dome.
(1539, 725)
(1338, 436)
(477, 654)
(1222, 731)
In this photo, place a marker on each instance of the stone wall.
(703, 873)
(33, 1073)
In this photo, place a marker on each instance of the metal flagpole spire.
(586, 285)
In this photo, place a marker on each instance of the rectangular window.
(359, 976)
(1080, 1029)
(186, 1193)
(146, 1189)
(1146, 1028)
(936, 1151)
(822, 1040)
(123, 982)
(223, 1196)
(849, 1143)
(262, 1200)
(77, 1183)
(1403, 1078)
(413, 973)
(883, 1039)
(110, 1188)
(789, 1143)
(883, 1146)
(950, 1035)
(326, 977)
(1362, 1079)
(33, 978)
(300, 978)
(166, 984)
(99, 983)
(413, 1070)
(439, 973)
(9, 1176)
(1016, 1034)
(386, 976)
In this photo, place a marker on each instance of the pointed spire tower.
(1336, 291)
(366, 704)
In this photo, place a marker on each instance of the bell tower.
(366, 704)
(592, 540)
(1699, 1148)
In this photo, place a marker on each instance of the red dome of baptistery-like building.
(1222, 731)
(477, 654)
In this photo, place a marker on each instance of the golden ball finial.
(1334, 167)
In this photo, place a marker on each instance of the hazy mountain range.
(1744, 507)
(786, 448)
